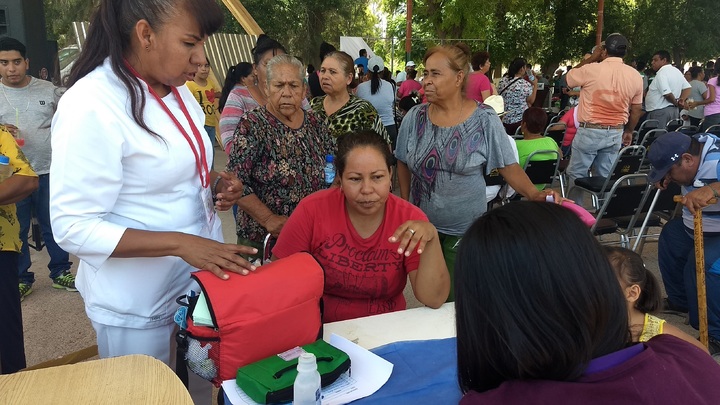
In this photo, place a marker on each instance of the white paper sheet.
(368, 371)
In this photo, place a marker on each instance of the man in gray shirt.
(27, 108)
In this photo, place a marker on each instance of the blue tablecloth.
(424, 372)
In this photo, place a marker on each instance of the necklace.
(458, 121)
(17, 110)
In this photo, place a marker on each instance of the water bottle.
(5, 169)
(329, 170)
(306, 389)
(531, 76)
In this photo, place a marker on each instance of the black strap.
(180, 364)
(509, 85)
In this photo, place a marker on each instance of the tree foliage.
(546, 32)
(301, 25)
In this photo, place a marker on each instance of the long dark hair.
(110, 31)
(536, 298)
(264, 44)
(234, 75)
(375, 79)
(515, 66)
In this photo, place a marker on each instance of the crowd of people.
(134, 196)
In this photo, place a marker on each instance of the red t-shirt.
(477, 83)
(362, 276)
(408, 86)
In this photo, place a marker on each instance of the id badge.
(208, 206)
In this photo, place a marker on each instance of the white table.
(412, 324)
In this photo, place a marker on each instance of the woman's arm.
(672, 330)
(404, 180)
(252, 205)
(709, 98)
(518, 180)
(486, 93)
(229, 119)
(17, 187)
(431, 281)
(198, 252)
(531, 98)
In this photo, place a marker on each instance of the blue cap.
(665, 152)
(329, 158)
(4, 160)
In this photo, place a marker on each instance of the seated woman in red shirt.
(367, 240)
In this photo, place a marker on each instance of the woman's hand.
(413, 234)
(214, 256)
(228, 190)
(274, 224)
(549, 196)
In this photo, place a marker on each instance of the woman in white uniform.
(133, 193)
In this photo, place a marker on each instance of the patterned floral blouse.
(356, 114)
(515, 94)
(278, 164)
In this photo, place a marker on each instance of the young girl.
(642, 293)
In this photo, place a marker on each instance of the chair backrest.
(713, 129)
(648, 125)
(494, 178)
(625, 199)
(542, 171)
(673, 125)
(556, 131)
(627, 162)
(643, 129)
(688, 129)
(651, 136)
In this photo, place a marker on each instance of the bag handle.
(280, 373)
(509, 85)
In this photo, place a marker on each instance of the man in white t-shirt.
(402, 76)
(667, 92)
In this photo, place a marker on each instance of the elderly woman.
(278, 151)
(342, 111)
(446, 146)
(368, 241)
(540, 319)
(518, 94)
(244, 98)
(479, 87)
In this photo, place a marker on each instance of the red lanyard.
(201, 158)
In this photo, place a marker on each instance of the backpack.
(273, 309)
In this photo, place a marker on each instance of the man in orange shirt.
(610, 106)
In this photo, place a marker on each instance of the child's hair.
(629, 268)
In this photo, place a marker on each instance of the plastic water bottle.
(306, 390)
(531, 76)
(329, 170)
(5, 169)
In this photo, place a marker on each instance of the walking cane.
(700, 271)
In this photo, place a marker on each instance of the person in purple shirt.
(540, 319)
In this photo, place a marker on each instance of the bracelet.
(214, 187)
(715, 193)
